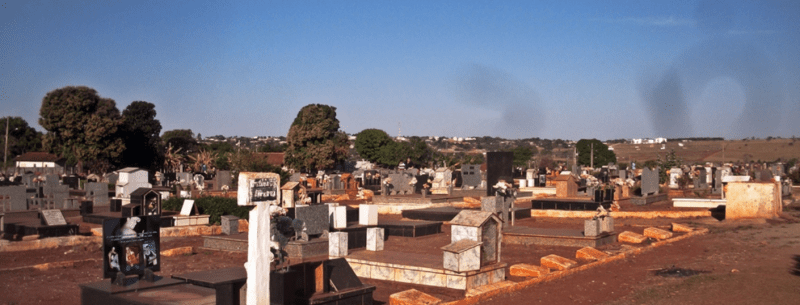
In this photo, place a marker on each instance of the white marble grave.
(368, 215)
(337, 244)
(375, 239)
(338, 216)
(462, 256)
(259, 190)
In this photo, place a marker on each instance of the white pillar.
(259, 190)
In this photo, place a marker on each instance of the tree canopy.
(182, 139)
(21, 137)
(314, 141)
(82, 127)
(523, 154)
(141, 130)
(602, 155)
(369, 142)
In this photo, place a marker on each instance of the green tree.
(369, 142)
(182, 139)
(602, 155)
(82, 127)
(21, 137)
(141, 130)
(314, 140)
(522, 154)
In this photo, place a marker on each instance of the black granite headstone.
(342, 276)
(499, 165)
(131, 245)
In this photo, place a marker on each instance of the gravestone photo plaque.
(131, 245)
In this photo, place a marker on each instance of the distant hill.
(712, 151)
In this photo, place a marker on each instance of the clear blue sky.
(548, 69)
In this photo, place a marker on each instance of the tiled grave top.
(461, 246)
(472, 218)
(566, 233)
(290, 185)
(410, 261)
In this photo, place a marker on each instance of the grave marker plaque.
(53, 218)
(186, 209)
(131, 245)
(257, 188)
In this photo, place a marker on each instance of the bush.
(213, 206)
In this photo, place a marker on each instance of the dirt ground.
(737, 262)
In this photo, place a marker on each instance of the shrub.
(213, 206)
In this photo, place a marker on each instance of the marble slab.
(375, 239)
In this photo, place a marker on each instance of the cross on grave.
(259, 190)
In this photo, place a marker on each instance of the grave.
(700, 182)
(97, 192)
(447, 213)
(483, 227)
(499, 166)
(130, 179)
(675, 173)
(471, 176)
(230, 224)
(566, 186)
(521, 235)
(188, 216)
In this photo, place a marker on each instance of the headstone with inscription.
(259, 190)
(53, 218)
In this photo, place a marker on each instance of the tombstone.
(462, 256)
(337, 244)
(184, 179)
(441, 181)
(499, 166)
(591, 227)
(289, 193)
(368, 215)
(97, 192)
(27, 180)
(542, 181)
(566, 186)
(223, 178)
(337, 216)
(675, 173)
(649, 181)
(294, 177)
(315, 218)
(336, 182)
(147, 200)
(482, 227)
(623, 174)
(470, 175)
(717, 181)
(230, 224)
(700, 181)
(606, 224)
(765, 175)
(52, 218)
(54, 194)
(131, 246)
(375, 239)
(259, 190)
(15, 198)
(491, 205)
(72, 182)
(709, 175)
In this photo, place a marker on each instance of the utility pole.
(591, 155)
(5, 151)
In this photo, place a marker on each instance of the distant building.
(40, 162)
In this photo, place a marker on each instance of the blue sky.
(513, 69)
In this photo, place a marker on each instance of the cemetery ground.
(736, 262)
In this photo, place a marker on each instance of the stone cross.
(259, 190)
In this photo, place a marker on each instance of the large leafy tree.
(82, 126)
(602, 155)
(314, 141)
(522, 155)
(141, 130)
(181, 139)
(21, 137)
(369, 142)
